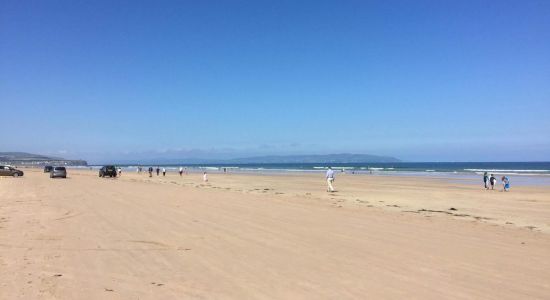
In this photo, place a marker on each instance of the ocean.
(523, 173)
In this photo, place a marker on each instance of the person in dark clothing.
(150, 171)
(486, 180)
(158, 171)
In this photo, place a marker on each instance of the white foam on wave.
(497, 170)
(515, 173)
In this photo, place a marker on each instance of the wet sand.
(270, 237)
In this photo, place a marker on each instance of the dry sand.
(270, 237)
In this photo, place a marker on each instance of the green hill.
(23, 158)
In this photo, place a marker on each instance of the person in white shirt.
(205, 177)
(330, 179)
(163, 171)
(181, 170)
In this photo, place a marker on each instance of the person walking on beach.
(181, 171)
(330, 179)
(163, 171)
(150, 171)
(204, 177)
(492, 181)
(119, 171)
(158, 170)
(505, 184)
(486, 180)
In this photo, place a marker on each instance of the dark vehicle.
(58, 172)
(10, 171)
(107, 171)
(48, 169)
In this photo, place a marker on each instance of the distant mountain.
(342, 158)
(22, 158)
(165, 161)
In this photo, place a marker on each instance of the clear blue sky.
(420, 80)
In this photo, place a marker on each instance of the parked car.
(58, 172)
(107, 171)
(10, 171)
(48, 169)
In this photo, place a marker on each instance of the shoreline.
(473, 177)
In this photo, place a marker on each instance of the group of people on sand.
(158, 170)
(490, 182)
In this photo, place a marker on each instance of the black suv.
(48, 169)
(107, 171)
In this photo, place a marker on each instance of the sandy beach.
(277, 236)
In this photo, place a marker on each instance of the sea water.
(520, 173)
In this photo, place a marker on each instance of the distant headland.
(342, 158)
(28, 159)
